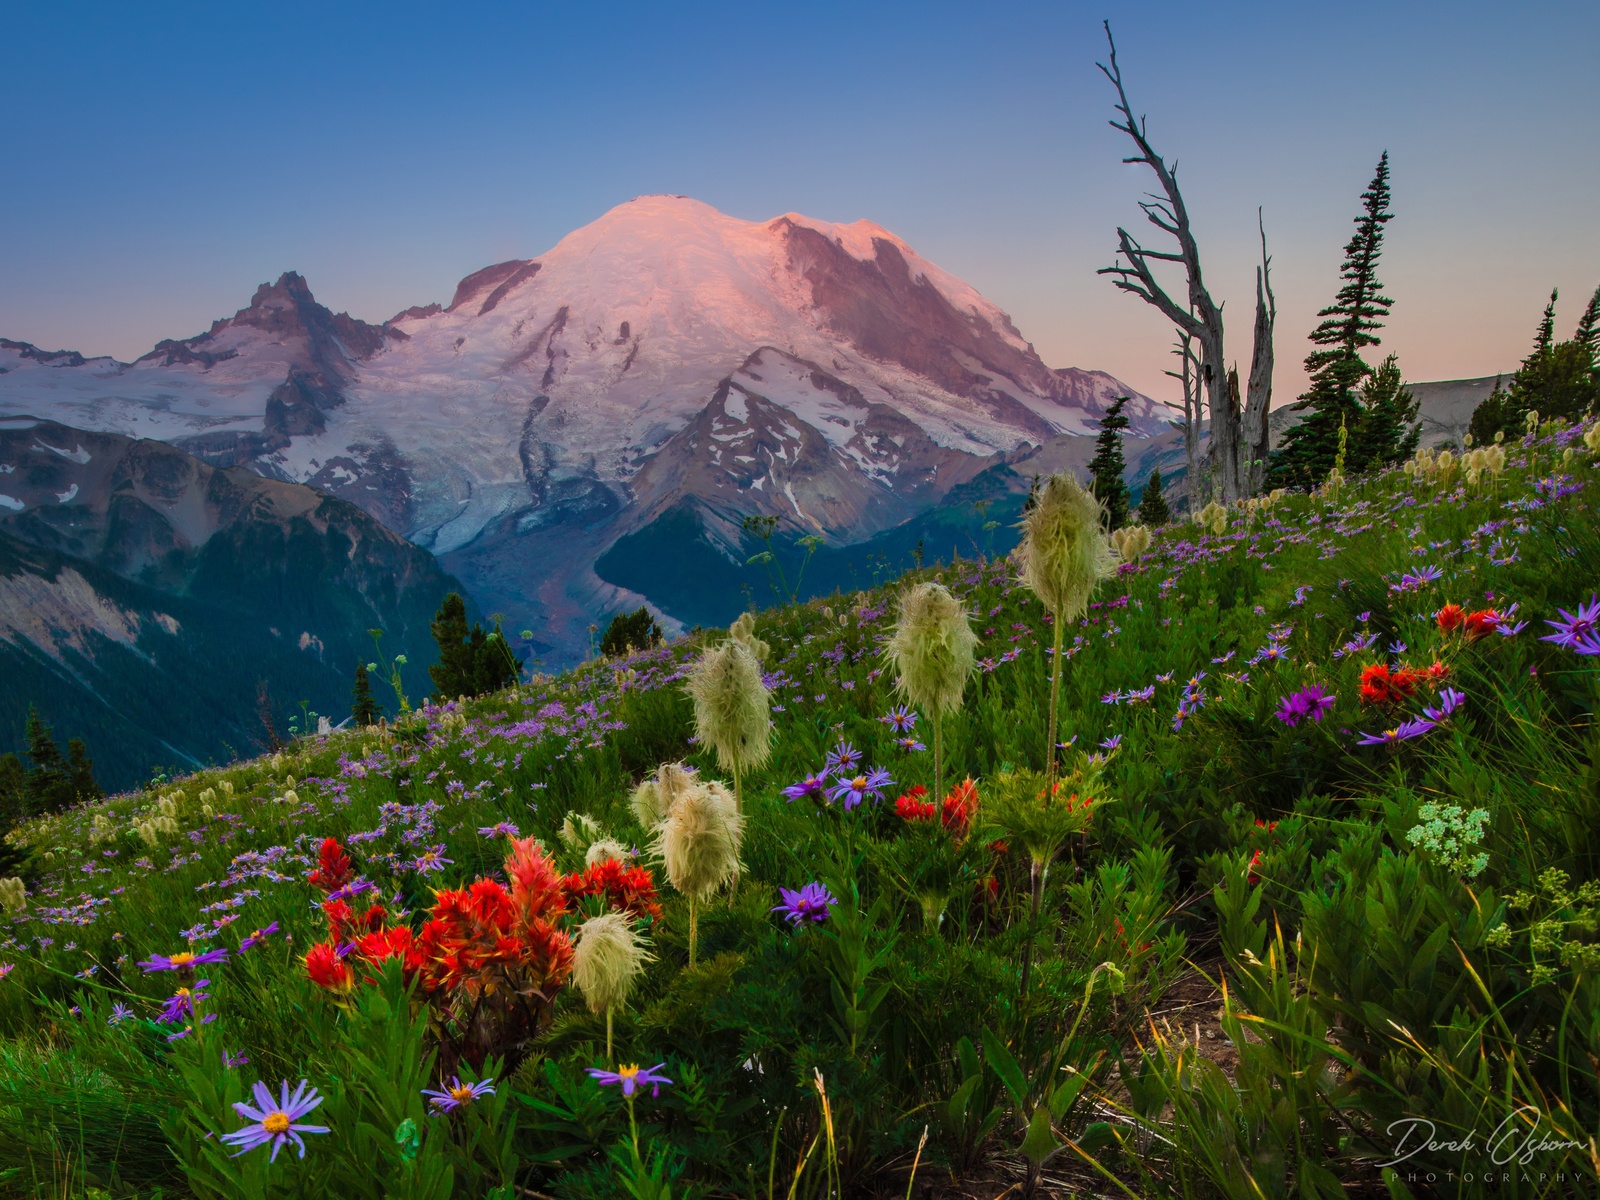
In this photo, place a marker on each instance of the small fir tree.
(1545, 335)
(1557, 379)
(630, 631)
(453, 675)
(48, 785)
(494, 666)
(1107, 466)
(13, 792)
(1389, 430)
(80, 772)
(1337, 369)
(1153, 510)
(1588, 332)
(364, 709)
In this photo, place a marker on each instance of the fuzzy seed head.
(607, 960)
(646, 805)
(743, 631)
(699, 839)
(1494, 458)
(1064, 551)
(13, 895)
(731, 706)
(1591, 438)
(932, 648)
(578, 830)
(603, 849)
(1130, 541)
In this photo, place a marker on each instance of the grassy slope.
(1185, 812)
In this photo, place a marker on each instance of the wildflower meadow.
(1257, 857)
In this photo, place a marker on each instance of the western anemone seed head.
(227, 788)
(1130, 541)
(1591, 438)
(13, 895)
(1447, 462)
(578, 830)
(654, 798)
(932, 648)
(1213, 517)
(731, 706)
(603, 849)
(1494, 458)
(646, 805)
(743, 631)
(1064, 552)
(608, 958)
(699, 838)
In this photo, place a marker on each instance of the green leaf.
(1041, 1139)
(1004, 1064)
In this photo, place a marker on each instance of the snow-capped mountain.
(664, 356)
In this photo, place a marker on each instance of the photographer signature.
(1506, 1144)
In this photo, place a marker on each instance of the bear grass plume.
(932, 652)
(731, 707)
(1064, 555)
(606, 962)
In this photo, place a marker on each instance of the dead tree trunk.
(1201, 318)
(1258, 398)
(1192, 417)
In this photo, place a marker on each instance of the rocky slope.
(148, 598)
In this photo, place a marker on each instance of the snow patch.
(11, 502)
(67, 495)
(78, 455)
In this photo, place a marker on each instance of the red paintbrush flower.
(959, 807)
(328, 970)
(1450, 618)
(333, 870)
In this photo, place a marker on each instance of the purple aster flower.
(180, 1007)
(1390, 737)
(632, 1078)
(1112, 698)
(1142, 695)
(119, 1013)
(1309, 703)
(1576, 630)
(458, 1094)
(6, 969)
(1449, 700)
(812, 787)
(503, 829)
(1112, 742)
(901, 719)
(275, 1121)
(841, 760)
(854, 790)
(183, 961)
(810, 903)
(909, 744)
(431, 860)
(259, 936)
(234, 1060)
(353, 889)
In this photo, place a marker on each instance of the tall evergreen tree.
(494, 666)
(364, 709)
(1389, 431)
(1337, 369)
(1153, 510)
(13, 792)
(1107, 465)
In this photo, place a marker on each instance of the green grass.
(1368, 982)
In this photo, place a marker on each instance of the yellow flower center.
(859, 783)
(462, 1095)
(182, 959)
(183, 992)
(628, 1072)
(276, 1122)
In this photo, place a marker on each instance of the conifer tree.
(1107, 465)
(1545, 335)
(1588, 332)
(364, 709)
(630, 631)
(1153, 510)
(453, 674)
(80, 772)
(13, 792)
(48, 785)
(494, 666)
(1388, 432)
(1348, 325)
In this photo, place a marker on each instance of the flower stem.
(693, 928)
(938, 757)
(1055, 692)
(610, 1057)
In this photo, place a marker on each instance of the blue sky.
(165, 159)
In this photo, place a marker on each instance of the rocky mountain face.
(149, 602)
(664, 363)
